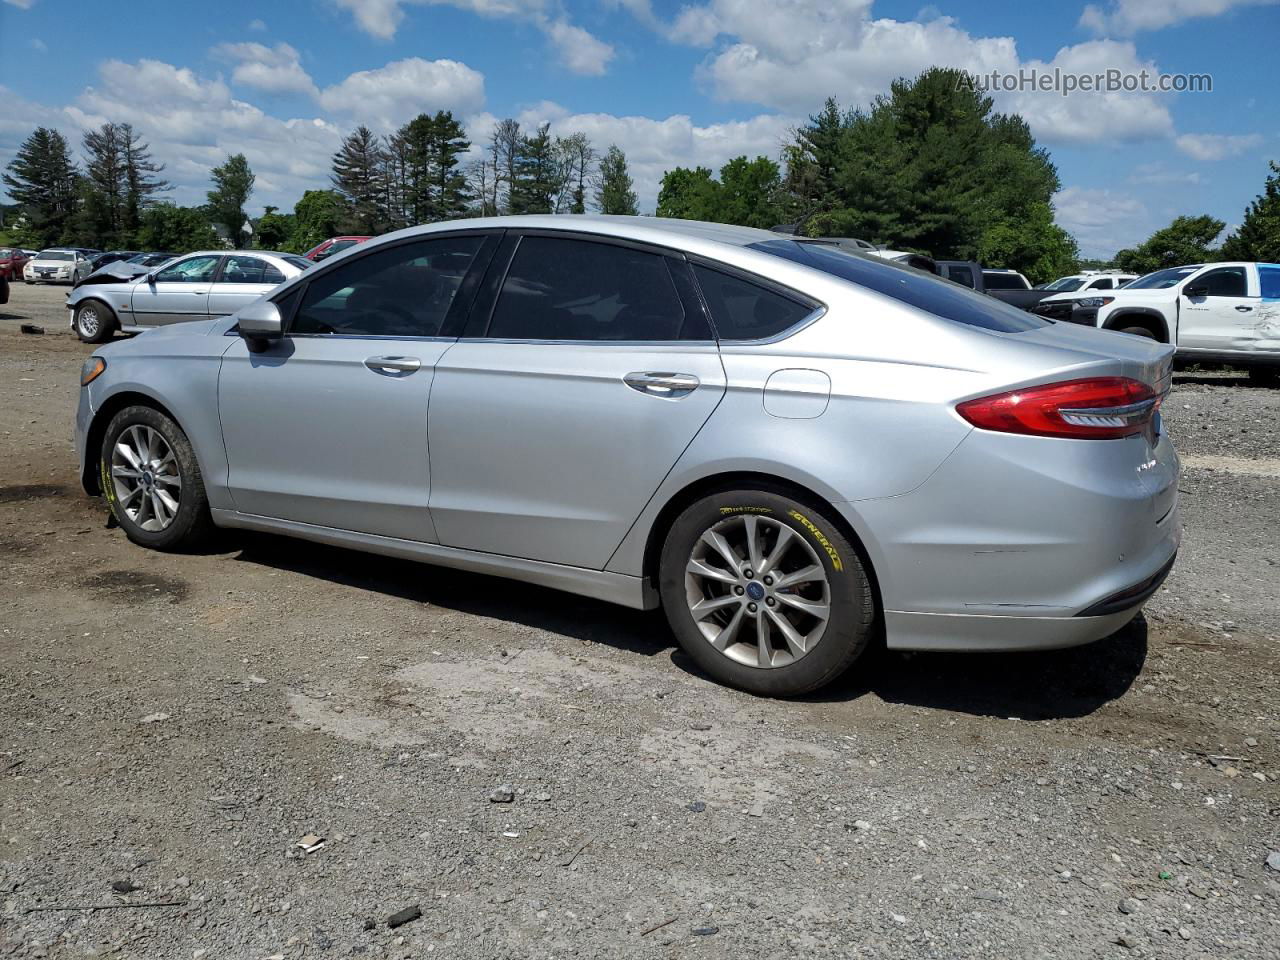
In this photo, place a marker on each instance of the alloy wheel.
(88, 320)
(757, 591)
(144, 472)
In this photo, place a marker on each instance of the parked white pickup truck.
(1216, 312)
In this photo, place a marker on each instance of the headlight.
(1094, 301)
(91, 370)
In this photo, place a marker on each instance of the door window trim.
(477, 329)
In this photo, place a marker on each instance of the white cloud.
(1102, 221)
(387, 97)
(258, 26)
(579, 51)
(1209, 147)
(1127, 17)
(38, 45)
(21, 4)
(274, 69)
(792, 54)
(1155, 173)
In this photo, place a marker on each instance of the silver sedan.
(194, 287)
(793, 449)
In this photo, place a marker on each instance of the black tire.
(94, 323)
(191, 523)
(1264, 376)
(851, 612)
(1137, 332)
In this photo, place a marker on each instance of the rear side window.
(1223, 282)
(1270, 279)
(912, 287)
(241, 269)
(401, 291)
(742, 310)
(1002, 281)
(563, 289)
(961, 275)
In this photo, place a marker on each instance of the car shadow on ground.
(1052, 684)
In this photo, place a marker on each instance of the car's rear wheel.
(764, 592)
(94, 322)
(152, 481)
(1138, 332)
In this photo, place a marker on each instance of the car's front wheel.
(94, 322)
(152, 481)
(764, 592)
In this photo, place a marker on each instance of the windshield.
(1163, 279)
(942, 298)
(56, 255)
(1066, 284)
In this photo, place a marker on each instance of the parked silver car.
(194, 287)
(57, 265)
(791, 448)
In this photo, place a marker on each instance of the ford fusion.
(793, 449)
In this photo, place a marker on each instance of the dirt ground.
(178, 723)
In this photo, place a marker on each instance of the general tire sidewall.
(852, 601)
(191, 503)
(106, 322)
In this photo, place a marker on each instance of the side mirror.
(1196, 290)
(259, 324)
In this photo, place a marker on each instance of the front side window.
(242, 269)
(191, 270)
(559, 288)
(400, 291)
(1223, 282)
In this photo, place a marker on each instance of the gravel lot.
(178, 723)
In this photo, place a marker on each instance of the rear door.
(1220, 320)
(178, 292)
(242, 280)
(587, 374)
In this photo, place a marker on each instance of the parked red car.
(331, 246)
(12, 260)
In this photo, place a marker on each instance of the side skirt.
(634, 592)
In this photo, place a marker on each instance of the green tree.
(1258, 236)
(614, 189)
(232, 185)
(359, 174)
(165, 226)
(1186, 240)
(534, 183)
(689, 194)
(274, 229)
(141, 179)
(749, 192)
(317, 216)
(42, 180)
(812, 159)
(102, 188)
(577, 160)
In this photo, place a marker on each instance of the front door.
(328, 426)
(1219, 319)
(178, 292)
(242, 280)
(552, 429)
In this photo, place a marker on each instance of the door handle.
(1244, 309)
(670, 386)
(393, 364)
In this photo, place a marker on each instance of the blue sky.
(672, 83)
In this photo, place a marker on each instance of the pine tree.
(359, 174)
(141, 180)
(614, 189)
(1258, 236)
(42, 180)
(533, 181)
(103, 188)
(449, 194)
(232, 185)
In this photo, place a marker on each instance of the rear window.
(912, 287)
(1003, 281)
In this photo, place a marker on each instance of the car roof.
(660, 230)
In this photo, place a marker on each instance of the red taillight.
(1101, 408)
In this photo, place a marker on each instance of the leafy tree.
(504, 150)
(102, 188)
(359, 174)
(1186, 240)
(318, 216)
(576, 160)
(42, 180)
(749, 192)
(812, 160)
(614, 192)
(1258, 236)
(533, 184)
(165, 226)
(232, 185)
(689, 194)
(274, 229)
(141, 177)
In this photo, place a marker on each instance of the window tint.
(241, 269)
(912, 287)
(961, 275)
(1223, 282)
(401, 291)
(191, 270)
(1003, 281)
(1103, 284)
(562, 289)
(1270, 278)
(742, 310)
